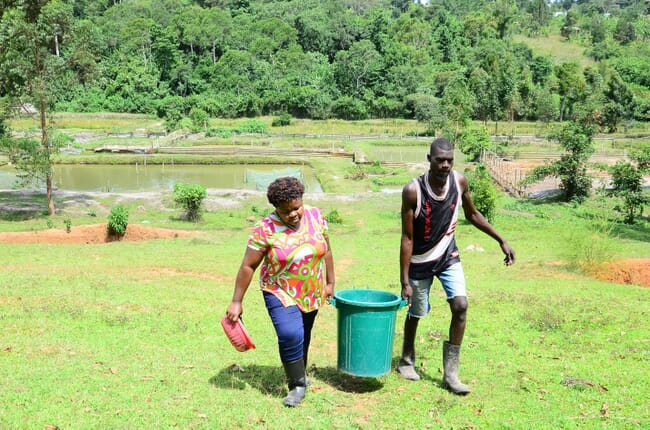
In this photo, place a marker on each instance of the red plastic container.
(237, 334)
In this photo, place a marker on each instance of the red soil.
(634, 271)
(96, 233)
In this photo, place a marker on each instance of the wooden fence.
(504, 172)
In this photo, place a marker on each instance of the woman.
(297, 276)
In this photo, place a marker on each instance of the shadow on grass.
(16, 206)
(24, 205)
(270, 380)
(424, 376)
(266, 379)
(344, 382)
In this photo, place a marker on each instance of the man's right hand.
(407, 292)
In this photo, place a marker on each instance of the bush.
(282, 120)
(472, 141)
(118, 219)
(333, 217)
(190, 197)
(253, 126)
(349, 108)
(200, 119)
(222, 132)
(484, 192)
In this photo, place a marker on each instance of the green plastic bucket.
(365, 329)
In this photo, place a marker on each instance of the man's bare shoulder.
(462, 180)
(409, 192)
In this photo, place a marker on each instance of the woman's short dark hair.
(284, 190)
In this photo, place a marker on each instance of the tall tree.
(576, 140)
(571, 85)
(457, 101)
(357, 68)
(31, 34)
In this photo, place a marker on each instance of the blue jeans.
(292, 326)
(453, 282)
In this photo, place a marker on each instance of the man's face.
(440, 163)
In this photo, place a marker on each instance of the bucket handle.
(402, 303)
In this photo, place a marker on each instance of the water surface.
(141, 178)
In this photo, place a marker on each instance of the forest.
(443, 62)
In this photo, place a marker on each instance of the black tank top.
(434, 225)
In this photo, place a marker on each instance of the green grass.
(105, 122)
(557, 47)
(127, 334)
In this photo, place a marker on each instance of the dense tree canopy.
(448, 59)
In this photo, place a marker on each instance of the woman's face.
(290, 212)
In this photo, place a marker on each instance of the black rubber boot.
(307, 381)
(297, 379)
(406, 365)
(450, 356)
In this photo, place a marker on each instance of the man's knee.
(458, 305)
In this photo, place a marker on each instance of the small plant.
(118, 220)
(333, 217)
(588, 250)
(190, 197)
(68, 225)
(282, 120)
(49, 223)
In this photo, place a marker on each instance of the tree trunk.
(45, 144)
(50, 197)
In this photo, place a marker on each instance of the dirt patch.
(95, 233)
(634, 271)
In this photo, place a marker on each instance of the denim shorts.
(452, 280)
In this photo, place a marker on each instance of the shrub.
(282, 120)
(333, 217)
(118, 219)
(472, 141)
(223, 132)
(199, 119)
(252, 126)
(190, 197)
(68, 225)
(484, 192)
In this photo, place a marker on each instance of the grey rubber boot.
(297, 379)
(450, 355)
(406, 364)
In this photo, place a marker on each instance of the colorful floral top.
(293, 268)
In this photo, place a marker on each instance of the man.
(430, 207)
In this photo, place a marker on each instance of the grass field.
(557, 47)
(127, 334)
